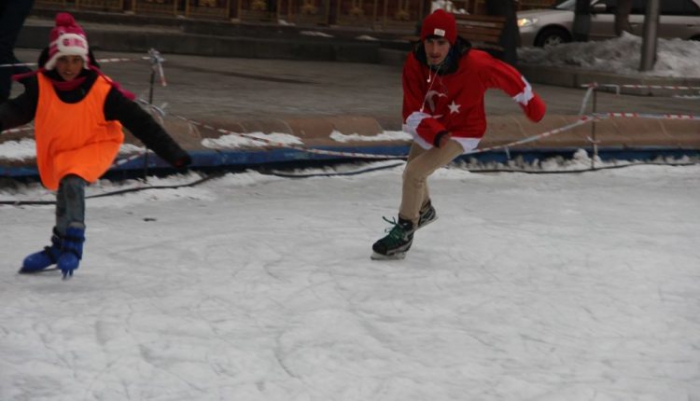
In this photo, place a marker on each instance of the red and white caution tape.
(17, 65)
(120, 60)
(101, 61)
(581, 121)
(690, 117)
(617, 87)
(670, 87)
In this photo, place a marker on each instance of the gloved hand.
(413, 121)
(183, 161)
(441, 139)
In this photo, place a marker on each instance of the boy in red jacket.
(78, 114)
(444, 83)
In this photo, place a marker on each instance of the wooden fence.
(373, 14)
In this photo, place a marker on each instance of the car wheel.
(552, 37)
(696, 38)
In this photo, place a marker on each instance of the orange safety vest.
(74, 138)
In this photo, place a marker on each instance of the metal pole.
(386, 11)
(374, 14)
(593, 133)
(337, 12)
(150, 103)
(582, 21)
(650, 37)
(156, 68)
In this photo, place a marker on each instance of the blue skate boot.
(72, 251)
(39, 261)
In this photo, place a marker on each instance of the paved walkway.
(233, 89)
(311, 98)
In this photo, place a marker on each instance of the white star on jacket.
(454, 107)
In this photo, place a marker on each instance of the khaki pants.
(421, 164)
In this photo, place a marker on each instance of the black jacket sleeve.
(20, 110)
(145, 128)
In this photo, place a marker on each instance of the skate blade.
(395, 256)
(30, 272)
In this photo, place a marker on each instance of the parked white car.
(547, 27)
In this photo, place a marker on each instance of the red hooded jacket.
(454, 101)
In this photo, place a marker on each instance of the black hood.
(451, 63)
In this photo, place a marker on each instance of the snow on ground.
(255, 287)
(675, 58)
(25, 148)
(229, 141)
(383, 136)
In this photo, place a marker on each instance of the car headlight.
(523, 22)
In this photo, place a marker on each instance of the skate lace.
(396, 232)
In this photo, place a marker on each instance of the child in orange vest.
(78, 114)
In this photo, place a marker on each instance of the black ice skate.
(427, 215)
(395, 244)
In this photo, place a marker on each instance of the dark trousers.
(12, 16)
(70, 203)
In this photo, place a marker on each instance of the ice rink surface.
(253, 287)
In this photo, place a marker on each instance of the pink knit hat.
(67, 39)
(440, 23)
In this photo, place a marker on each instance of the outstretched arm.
(20, 110)
(145, 128)
(498, 74)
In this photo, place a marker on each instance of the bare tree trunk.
(622, 17)
(582, 20)
(510, 37)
